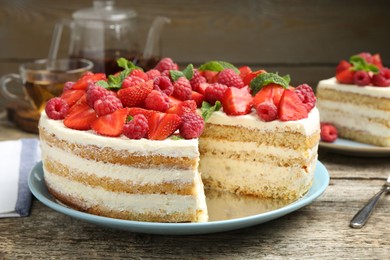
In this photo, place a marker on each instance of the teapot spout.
(154, 35)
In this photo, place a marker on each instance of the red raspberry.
(132, 81)
(68, 85)
(56, 108)
(382, 79)
(96, 92)
(163, 84)
(196, 80)
(214, 92)
(157, 100)
(192, 126)
(153, 73)
(139, 73)
(182, 89)
(137, 128)
(230, 78)
(366, 56)
(267, 111)
(107, 105)
(328, 132)
(306, 95)
(166, 64)
(361, 78)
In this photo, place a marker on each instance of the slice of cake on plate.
(357, 100)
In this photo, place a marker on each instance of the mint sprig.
(264, 79)
(188, 72)
(218, 66)
(359, 63)
(207, 109)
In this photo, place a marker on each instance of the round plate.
(321, 180)
(348, 147)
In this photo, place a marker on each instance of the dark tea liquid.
(41, 91)
(107, 61)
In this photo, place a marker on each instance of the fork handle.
(362, 215)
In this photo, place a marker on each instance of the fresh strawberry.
(211, 76)
(110, 124)
(247, 79)
(162, 125)
(173, 101)
(272, 92)
(134, 96)
(198, 98)
(343, 65)
(72, 96)
(344, 74)
(137, 110)
(291, 107)
(377, 61)
(236, 101)
(88, 79)
(81, 101)
(80, 117)
(187, 106)
(244, 70)
(202, 87)
(131, 81)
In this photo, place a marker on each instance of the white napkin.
(17, 158)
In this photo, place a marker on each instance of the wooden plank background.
(305, 39)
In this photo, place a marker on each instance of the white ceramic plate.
(257, 212)
(349, 147)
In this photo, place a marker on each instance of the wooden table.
(317, 231)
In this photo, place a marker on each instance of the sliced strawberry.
(162, 125)
(72, 96)
(138, 110)
(80, 117)
(198, 98)
(272, 92)
(291, 107)
(134, 96)
(244, 70)
(236, 101)
(377, 61)
(202, 87)
(345, 76)
(88, 79)
(343, 65)
(110, 124)
(187, 106)
(211, 76)
(174, 101)
(252, 75)
(82, 100)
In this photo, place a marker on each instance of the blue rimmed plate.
(262, 210)
(349, 147)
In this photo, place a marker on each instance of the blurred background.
(305, 39)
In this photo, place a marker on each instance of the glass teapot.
(103, 33)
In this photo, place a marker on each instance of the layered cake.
(357, 100)
(139, 145)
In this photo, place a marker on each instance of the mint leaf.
(207, 109)
(176, 74)
(126, 64)
(264, 79)
(359, 63)
(189, 71)
(102, 83)
(218, 66)
(176, 137)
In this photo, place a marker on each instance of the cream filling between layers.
(116, 171)
(144, 203)
(167, 147)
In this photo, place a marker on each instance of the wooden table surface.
(318, 231)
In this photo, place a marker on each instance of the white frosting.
(307, 126)
(332, 83)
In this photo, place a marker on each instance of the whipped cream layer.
(167, 147)
(332, 83)
(306, 126)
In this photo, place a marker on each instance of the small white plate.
(348, 147)
(219, 224)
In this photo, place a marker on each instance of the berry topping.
(110, 124)
(344, 74)
(137, 128)
(157, 100)
(72, 96)
(133, 111)
(244, 71)
(192, 126)
(153, 73)
(135, 96)
(267, 111)
(166, 64)
(187, 106)
(107, 105)
(196, 80)
(88, 79)
(306, 95)
(139, 73)
(270, 93)
(96, 92)
(361, 78)
(132, 81)
(164, 84)
(236, 101)
(68, 86)
(56, 108)
(248, 78)
(230, 78)
(214, 92)
(328, 132)
(182, 89)
(80, 117)
(198, 98)
(382, 79)
(210, 76)
(291, 107)
(162, 125)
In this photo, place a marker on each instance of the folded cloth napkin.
(17, 158)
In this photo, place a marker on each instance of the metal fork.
(362, 215)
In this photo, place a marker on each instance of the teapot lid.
(104, 11)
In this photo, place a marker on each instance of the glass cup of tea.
(41, 80)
